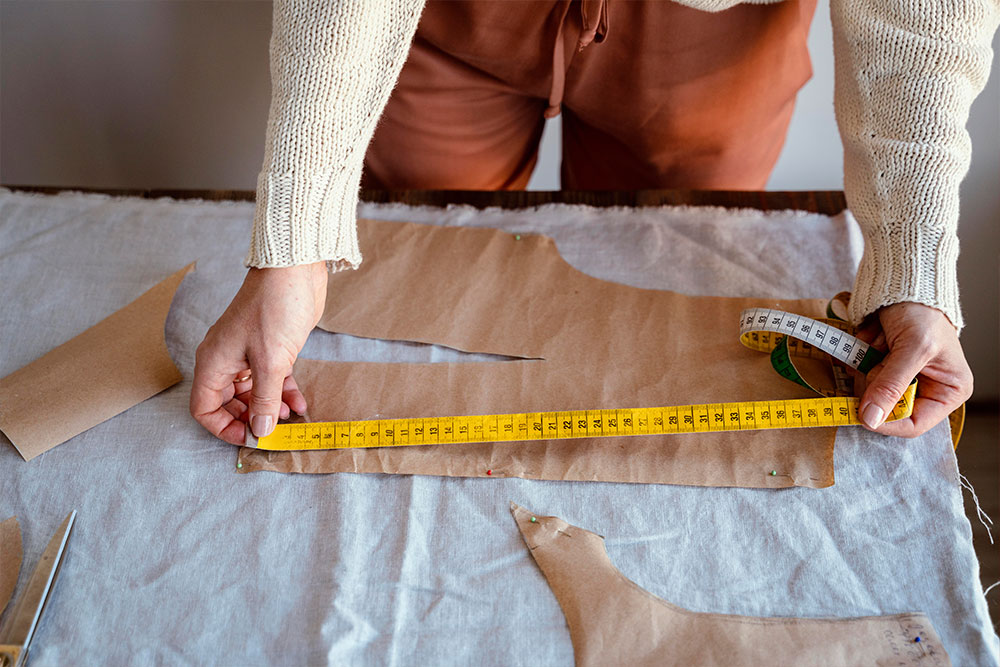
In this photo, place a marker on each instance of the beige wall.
(147, 94)
(133, 94)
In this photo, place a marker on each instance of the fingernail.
(872, 416)
(262, 425)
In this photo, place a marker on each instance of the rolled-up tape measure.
(784, 335)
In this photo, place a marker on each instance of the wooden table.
(828, 202)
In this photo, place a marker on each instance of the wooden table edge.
(827, 202)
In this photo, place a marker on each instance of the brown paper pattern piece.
(10, 559)
(612, 621)
(582, 343)
(115, 364)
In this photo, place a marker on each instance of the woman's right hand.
(259, 335)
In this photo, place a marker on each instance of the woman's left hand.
(921, 343)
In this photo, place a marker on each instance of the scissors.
(16, 635)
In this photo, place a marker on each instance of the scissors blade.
(21, 626)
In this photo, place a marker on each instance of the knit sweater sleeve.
(333, 66)
(907, 72)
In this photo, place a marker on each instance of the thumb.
(886, 383)
(265, 399)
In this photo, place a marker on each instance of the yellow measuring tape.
(784, 335)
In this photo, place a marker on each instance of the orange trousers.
(652, 94)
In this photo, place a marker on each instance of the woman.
(692, 95)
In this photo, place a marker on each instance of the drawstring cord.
(597, 30)
(594, 15)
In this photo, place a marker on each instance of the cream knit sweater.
(907, 72)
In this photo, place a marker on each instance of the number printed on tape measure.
(520, 427)
(826, 337)
(760, 328)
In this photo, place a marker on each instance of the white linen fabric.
(178, 559)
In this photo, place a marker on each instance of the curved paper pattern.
(10, 559)
(117, 363)
(612, 621)
(586, 343)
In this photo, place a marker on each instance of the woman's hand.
(921, 343)
(243, 368)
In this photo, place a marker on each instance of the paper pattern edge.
(612, 620)
(114, 365)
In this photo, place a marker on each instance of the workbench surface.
(176, 558)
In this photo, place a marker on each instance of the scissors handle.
(11, 656)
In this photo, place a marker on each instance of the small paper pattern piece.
(582, 343)
(117, 363)
(612, 621)
(10, 559)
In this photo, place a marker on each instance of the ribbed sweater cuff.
(306, 218)
(914, 264)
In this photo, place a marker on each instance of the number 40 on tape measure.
(783, 335)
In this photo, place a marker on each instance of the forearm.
(907, 72)
(333, 66)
